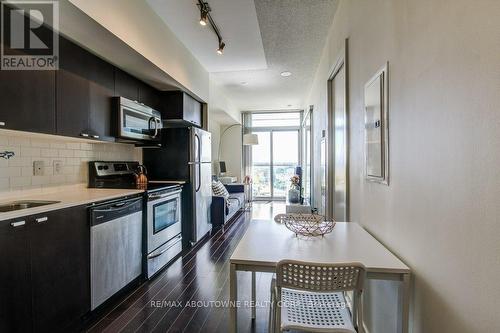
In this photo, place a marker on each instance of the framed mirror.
(377, 127)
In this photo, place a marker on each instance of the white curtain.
(247, 150)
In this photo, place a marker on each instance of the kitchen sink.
(24, 204)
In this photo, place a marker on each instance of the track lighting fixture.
(220, 50)
(205, 18)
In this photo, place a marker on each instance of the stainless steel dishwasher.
(115, 247)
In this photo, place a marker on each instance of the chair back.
(319, 277)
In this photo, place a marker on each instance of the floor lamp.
(249, 139)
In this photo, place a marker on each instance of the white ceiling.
(263, 38)
(237, 21)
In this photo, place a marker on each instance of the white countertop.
(68, 196)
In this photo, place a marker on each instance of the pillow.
(219, 189)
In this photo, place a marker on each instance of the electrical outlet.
(38, 168)
(58, 166)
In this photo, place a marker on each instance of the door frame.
(341, 62)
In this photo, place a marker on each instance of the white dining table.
(266, 242)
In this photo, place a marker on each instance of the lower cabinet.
(15, 277)
(44, 271)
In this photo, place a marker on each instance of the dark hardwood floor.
(182, 297)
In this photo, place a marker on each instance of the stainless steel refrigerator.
(186, 155)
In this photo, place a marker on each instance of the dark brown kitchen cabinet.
(60, 253)
(27, 97)
(149, 96)
(27, 100)
(15, 277)
(44, 271)
(177, 107)
(85, 85)
(126, 85)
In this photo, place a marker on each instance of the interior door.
(338, 149)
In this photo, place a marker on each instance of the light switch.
(58, 166)
(38, 168)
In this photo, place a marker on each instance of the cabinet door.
(126, 85)
(149, 96)
(27, 101)
(192, 110)
(102, 86)
(60, 252)
(15, 278)
(73, 90)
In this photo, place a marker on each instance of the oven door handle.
(167, 196)
(156, 255)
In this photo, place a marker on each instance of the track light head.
(220, 50)
(203, 17)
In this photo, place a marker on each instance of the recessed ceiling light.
(286, 74)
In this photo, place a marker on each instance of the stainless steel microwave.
(137, 121)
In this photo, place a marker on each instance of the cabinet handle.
(85, 135)
(95, 136)
(2, 123)
(42, 219)
(18, 224)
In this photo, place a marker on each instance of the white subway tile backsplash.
(73, 145)
(29, 151)
(4, 184)
(66, 153)
(19, 141)
(49, 152)
(40, 180)
(19, 181)
(10, 172)
(86, 146)
(58, 145)
(19, 161)
(17, 172)
(40, 143)
(27, 171)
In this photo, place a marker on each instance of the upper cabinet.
(126, 85)
(27, 100)
(178, 108)
(76, 100)
(85, 85)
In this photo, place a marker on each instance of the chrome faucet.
(7, 154)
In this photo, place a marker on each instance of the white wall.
(440, 212)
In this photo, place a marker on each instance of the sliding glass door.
(273, 162)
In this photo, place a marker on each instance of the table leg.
(233, 295)
(404, 304)
(253, 295)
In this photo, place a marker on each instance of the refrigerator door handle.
(198, 185)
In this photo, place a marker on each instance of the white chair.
(311, 297)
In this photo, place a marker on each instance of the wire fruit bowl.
(309, 225)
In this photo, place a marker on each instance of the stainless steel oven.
(137, 121)
(164, 240)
